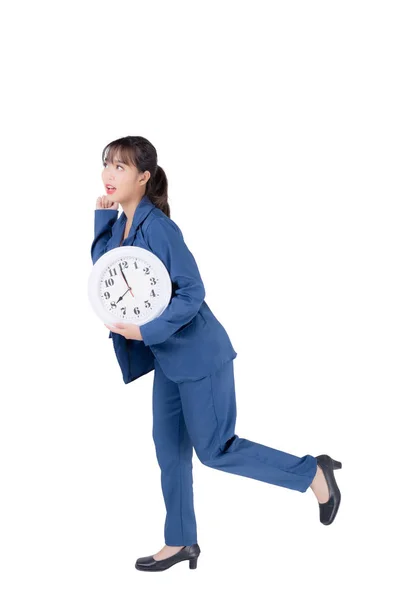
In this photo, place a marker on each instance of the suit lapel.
(144, 207)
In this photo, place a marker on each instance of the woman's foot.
(175, 554)
(166, 552)
(319, 486)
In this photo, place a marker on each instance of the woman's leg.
(174, 452)
(209, 408)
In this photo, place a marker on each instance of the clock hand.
(121, 297)
(123, 275)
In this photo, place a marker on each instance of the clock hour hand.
(122, 297)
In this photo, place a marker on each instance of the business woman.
(194, 404)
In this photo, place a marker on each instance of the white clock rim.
(112, 256)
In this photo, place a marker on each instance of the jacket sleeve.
(166, 241)
(104, 219)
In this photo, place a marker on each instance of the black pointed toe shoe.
(149, 563)
(328, 510)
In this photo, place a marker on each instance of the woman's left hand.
(130, 331)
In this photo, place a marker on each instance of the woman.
(194, 404)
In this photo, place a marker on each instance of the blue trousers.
(202, 415)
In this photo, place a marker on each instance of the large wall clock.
(129, 284)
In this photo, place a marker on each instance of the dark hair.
(139, 152)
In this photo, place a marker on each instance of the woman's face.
(126, 179)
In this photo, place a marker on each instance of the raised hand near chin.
(105, 202)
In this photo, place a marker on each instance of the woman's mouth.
(110, 189)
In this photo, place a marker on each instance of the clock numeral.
(109, 282)
(113, 304)
(135, 263)
(153, 281)
(152, 293)
(124, 264)
(147, 303)
(146, 270)
(113, 271)
(123, 308)
(136, 310)
(106, 295)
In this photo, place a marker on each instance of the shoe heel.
(336, 464)
(193, 563)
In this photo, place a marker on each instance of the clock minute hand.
(123, 275)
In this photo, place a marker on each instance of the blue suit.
(187, 339)
(194, 404)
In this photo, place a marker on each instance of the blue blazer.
(187, 339)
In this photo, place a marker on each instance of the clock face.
(130, 288)
(129, 284)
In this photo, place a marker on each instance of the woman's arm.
(104, 219)
(105, 215)
(165, 239)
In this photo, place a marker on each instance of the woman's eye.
(105, 165)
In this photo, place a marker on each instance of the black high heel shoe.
(190, 553)
(328, 510)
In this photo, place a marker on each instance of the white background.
(277, 124)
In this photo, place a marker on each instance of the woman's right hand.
(105, 202)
